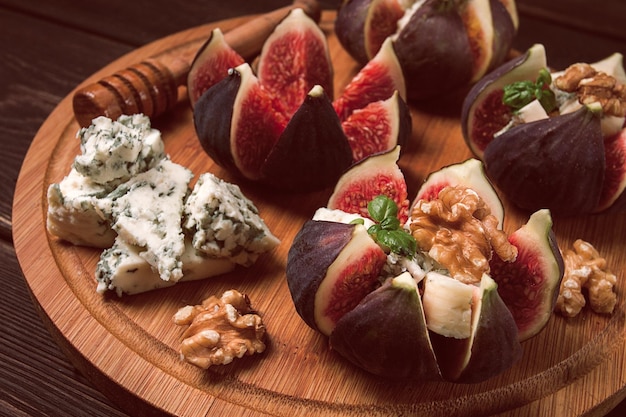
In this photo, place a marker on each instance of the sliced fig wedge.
(378, 127)
(386, 334)
(378, 80)
(530, 285)
(378, 174)
(294, 59)
(210, 65)
(227, 119)
(470, 174)
(492, 346)
(331, 267)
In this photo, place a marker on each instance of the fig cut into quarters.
(405, 319)
(561, 149)
(280, 126)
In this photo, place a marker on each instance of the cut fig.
(331, 267)
(210, 65)
(441, 45)
(378, 80)
(294, 59)
(469, 174)
(551, 140)
(378, 174)
(483, 112)
(386, 335)
(556, 163)
(280, 127)
(378, 127)
(423, 322)
(227, 119)
(492, 346)
(530, 285)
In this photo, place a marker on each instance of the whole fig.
(442, 45)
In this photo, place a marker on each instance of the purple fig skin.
(212, 117)
(314, 249)
(556, 163)
(350, 28)
(312, 152)
(386, 335)
(433, 47)
(504, 33)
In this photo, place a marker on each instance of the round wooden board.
(128, 346)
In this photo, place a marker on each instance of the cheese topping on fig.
(458, 231)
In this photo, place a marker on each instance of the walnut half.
(220, 330)
(585, 268)
(593, 86)
(458, 231)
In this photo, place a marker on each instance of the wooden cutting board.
(129, 346)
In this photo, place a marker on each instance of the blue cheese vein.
(147, 212)
(225, 223)
(114, 151)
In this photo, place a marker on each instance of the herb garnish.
(521, 93)
(387, 231)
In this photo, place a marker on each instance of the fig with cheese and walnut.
(554, 140)
(448, 295)
(277, 123)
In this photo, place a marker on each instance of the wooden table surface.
(48, 47)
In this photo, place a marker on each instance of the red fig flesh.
(280, 126)
(530, 285)
(376, 175)
(210, 65)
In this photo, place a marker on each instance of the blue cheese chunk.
(124, 270)
(224, 223)
(74, 214)
(114, 151)
(147, 212)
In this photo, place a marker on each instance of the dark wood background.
(47, 47)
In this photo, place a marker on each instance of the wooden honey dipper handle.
(151, 86)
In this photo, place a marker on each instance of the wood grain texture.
(38, 82)
(574, 367)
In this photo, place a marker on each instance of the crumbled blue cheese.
(114, 151)
(123, 193)
(147, 212)
(122, 269)
(111, 153)
(74, 214)
(224, 223)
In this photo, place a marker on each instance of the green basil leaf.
(382, 207)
